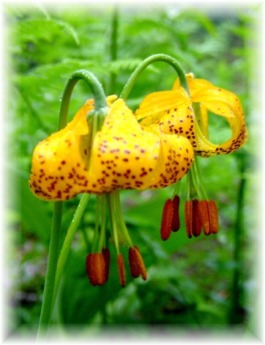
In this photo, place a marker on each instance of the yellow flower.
(173, 112)
(123, 155)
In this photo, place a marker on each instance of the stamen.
(204, 216)
(175, 220)
(137, 266)
(189, 217)
(167, 219)
(121, 269)
(213, 215)
(196, 221)
(106, 256)
(95, 267)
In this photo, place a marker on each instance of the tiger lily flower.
(123, 155)
(120, 155)
(174, 111)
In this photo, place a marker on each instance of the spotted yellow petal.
(175, 160)
(220, 102)
(123, 155)
(59, 162)
(171, 110)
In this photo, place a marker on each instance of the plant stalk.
(113, 47)
(68, 241)
(236, 313)
(51, 268)
(51, 286)
(145, 63)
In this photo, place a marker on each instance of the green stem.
(189, 183)
(97, 225)
(235, 315)
(197, 181)
(176, 189)
(68, 240)
(122, 229)
(93, 83)
(202, 120)
(50, 285)
(51, 268)
(112, 212)
(86, 240)
(113, 47)
(102, 235)
(154, 58)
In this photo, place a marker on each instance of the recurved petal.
(220, 102)
(123, 155)
(171, 111)
(59, 168)
(158, 104)
(59, 163)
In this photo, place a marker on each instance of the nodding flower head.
(122, 155)
(176, 112)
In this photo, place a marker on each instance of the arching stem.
(95, 86)
(49, 288)
(145, 63)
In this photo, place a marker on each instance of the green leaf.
(35, 213)
(79, 301)
(35, 30)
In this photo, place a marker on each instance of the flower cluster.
(152, 148)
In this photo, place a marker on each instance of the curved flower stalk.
(176, 112)
(122, 155)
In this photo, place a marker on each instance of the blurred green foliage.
(202, 283)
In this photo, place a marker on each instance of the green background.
(206, 283)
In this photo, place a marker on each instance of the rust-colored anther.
(167, 218)
(136, 262)
(196, 221)
(106, 255)
(121, 269)
(204, 216)
(95, 267)
(189, 217)
(213, 215)
(175, 221)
